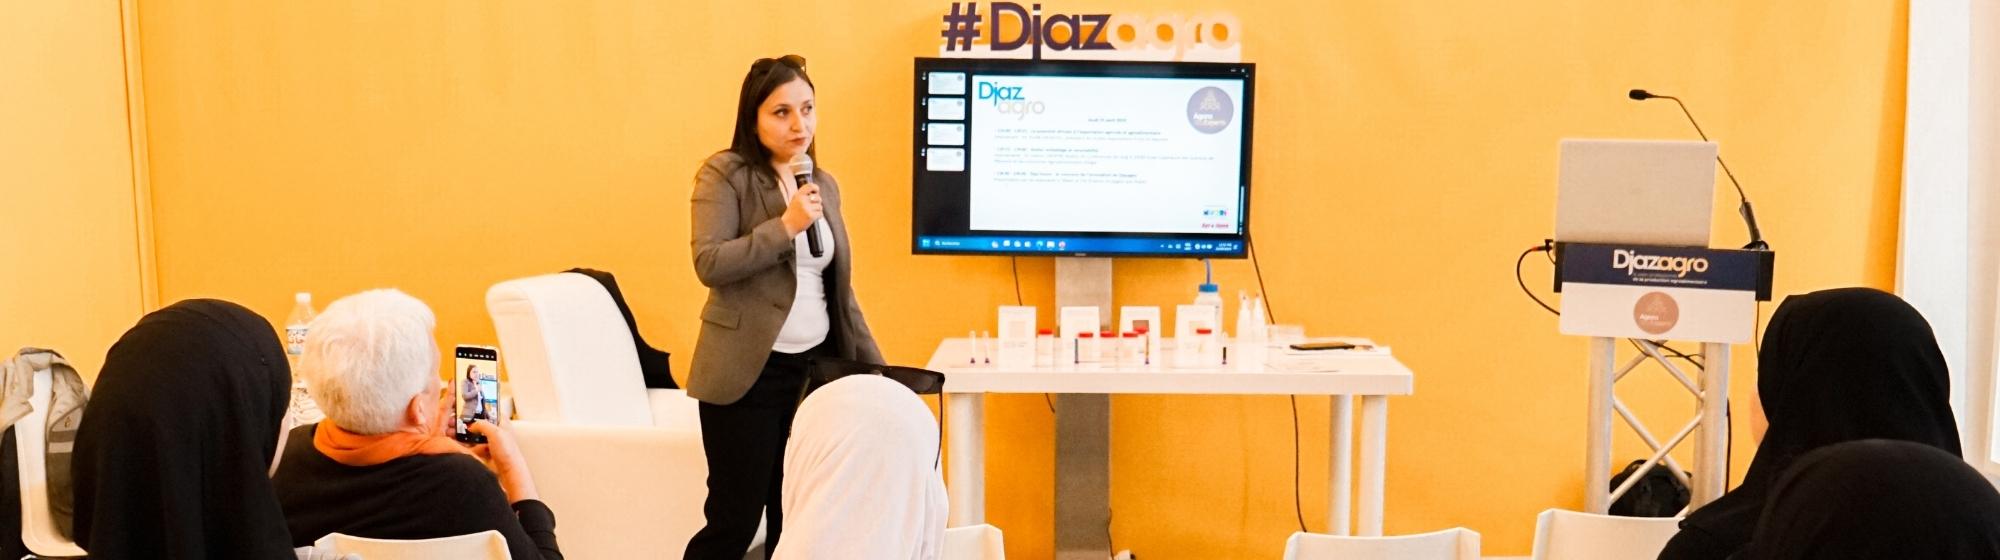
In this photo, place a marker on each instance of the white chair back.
(487, 545)
(1449, 544)
(567, 352)
(1572, 535)
(675, 410)
(974, 542)
(38, 526)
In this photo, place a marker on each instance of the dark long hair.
(764, 77)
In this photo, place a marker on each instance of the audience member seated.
(861, 478)
(384, 464)
(1835, 366)
(174, 454)
(1879, 499)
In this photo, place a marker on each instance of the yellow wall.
(69, 268)
(1405, 155)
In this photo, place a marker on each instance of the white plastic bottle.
(1210, 295)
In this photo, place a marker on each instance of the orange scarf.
(357, 450)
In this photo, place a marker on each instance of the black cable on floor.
(1298, 504)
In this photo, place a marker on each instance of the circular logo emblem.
(1210, 110)
(1656, 313)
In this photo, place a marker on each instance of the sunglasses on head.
(795, 61)
(824, 370)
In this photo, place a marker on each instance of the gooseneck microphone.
(1749, 217)
(802, 171)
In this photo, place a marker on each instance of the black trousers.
(745, 444)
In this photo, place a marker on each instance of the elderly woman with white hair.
(383, 464)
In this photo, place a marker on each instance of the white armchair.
(974, 542)
(622, 466)
(1574, 535)
(488, 545)
(1449, 544)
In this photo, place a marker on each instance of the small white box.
(1017, 337)
(1131, 317)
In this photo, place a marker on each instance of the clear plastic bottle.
(1132, 351)
(1208, 348)
(1045, 348)
(303, 409)
(1107, 348)
(296, 325)
(1086, 348)
(1248, 348)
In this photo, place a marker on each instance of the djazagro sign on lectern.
(1663, 293)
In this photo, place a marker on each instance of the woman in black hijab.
(173, 456)
(1836, 366)
(1879, 499)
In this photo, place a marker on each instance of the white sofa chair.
(974, 542)
(1449, 544)
(1572, 535)
(621, 465)
(488, 545)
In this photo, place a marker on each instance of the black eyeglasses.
(795, 61)
(824, 370)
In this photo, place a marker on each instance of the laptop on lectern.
(1645, 192)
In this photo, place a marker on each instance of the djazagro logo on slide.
(1008, 100)
(1656, 313)
(1210, 110)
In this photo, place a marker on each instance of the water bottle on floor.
(303, 410)
(296, 325)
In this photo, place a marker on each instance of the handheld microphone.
(802, 171)
(1749, 217)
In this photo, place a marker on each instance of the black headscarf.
(1879, 499)
(1836, 366)
(173, 455)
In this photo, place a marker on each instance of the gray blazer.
(742, 254)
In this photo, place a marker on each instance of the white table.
(1373, 377)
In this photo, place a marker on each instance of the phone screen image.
(476, 387)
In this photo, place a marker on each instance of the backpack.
(1657, 494)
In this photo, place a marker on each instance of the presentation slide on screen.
(1100, 154)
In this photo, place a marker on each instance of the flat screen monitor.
(1082, 158)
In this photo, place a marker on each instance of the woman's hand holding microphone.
(804, 209)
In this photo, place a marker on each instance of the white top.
(807, 325)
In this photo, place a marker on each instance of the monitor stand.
(1083, 429)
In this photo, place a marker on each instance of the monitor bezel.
(1143, 69)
